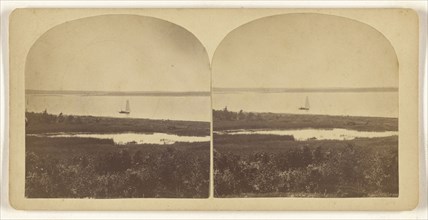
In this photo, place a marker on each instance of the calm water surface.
(375, 104)
(318, 134)
(125, 138)
(187, 108)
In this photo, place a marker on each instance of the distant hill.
(117, 93)
(284, 90)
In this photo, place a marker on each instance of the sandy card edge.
(400, 26)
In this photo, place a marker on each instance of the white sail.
(307, 103)
(307, 106)
(127, 108)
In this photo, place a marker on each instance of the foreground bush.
(308, 172)
(168, 173)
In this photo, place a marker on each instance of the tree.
(241, 115)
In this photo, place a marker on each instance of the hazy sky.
(304, 51)
(118, 53)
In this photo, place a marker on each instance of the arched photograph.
(305, 105)
(117, 106)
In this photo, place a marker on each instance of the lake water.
(318, 134)
(125, 138)
(376, 104)
(198, 108)
(188, 108)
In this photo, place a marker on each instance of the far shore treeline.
(45, 122)
(117, 93)
(225, 119)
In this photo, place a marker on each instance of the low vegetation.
(306, 169)
(253, 165)
(74, 167)
(46, 123)
(84, 167)
(230, 120)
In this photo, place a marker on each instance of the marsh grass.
(253, 165)
(72, 167)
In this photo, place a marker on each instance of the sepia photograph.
(213, 109)
(117, 106)
(305, 105)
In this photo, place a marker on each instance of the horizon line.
(319, 89)
(116, 93)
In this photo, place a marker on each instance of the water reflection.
(136, 138)
(318, 134)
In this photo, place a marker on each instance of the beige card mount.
(213, 109)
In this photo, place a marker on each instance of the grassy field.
(279, 166)
(47, 123)
(248, 144)
(99, 168)
(227, 120)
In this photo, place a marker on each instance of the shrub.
(117, 174)
(329, 172)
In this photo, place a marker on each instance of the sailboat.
(127, 109)
(306, 108)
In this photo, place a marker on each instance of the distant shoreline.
(116, 93)
(315, 115)
(121, 117)
(53, 123)
(232, 120)
(220, 90)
